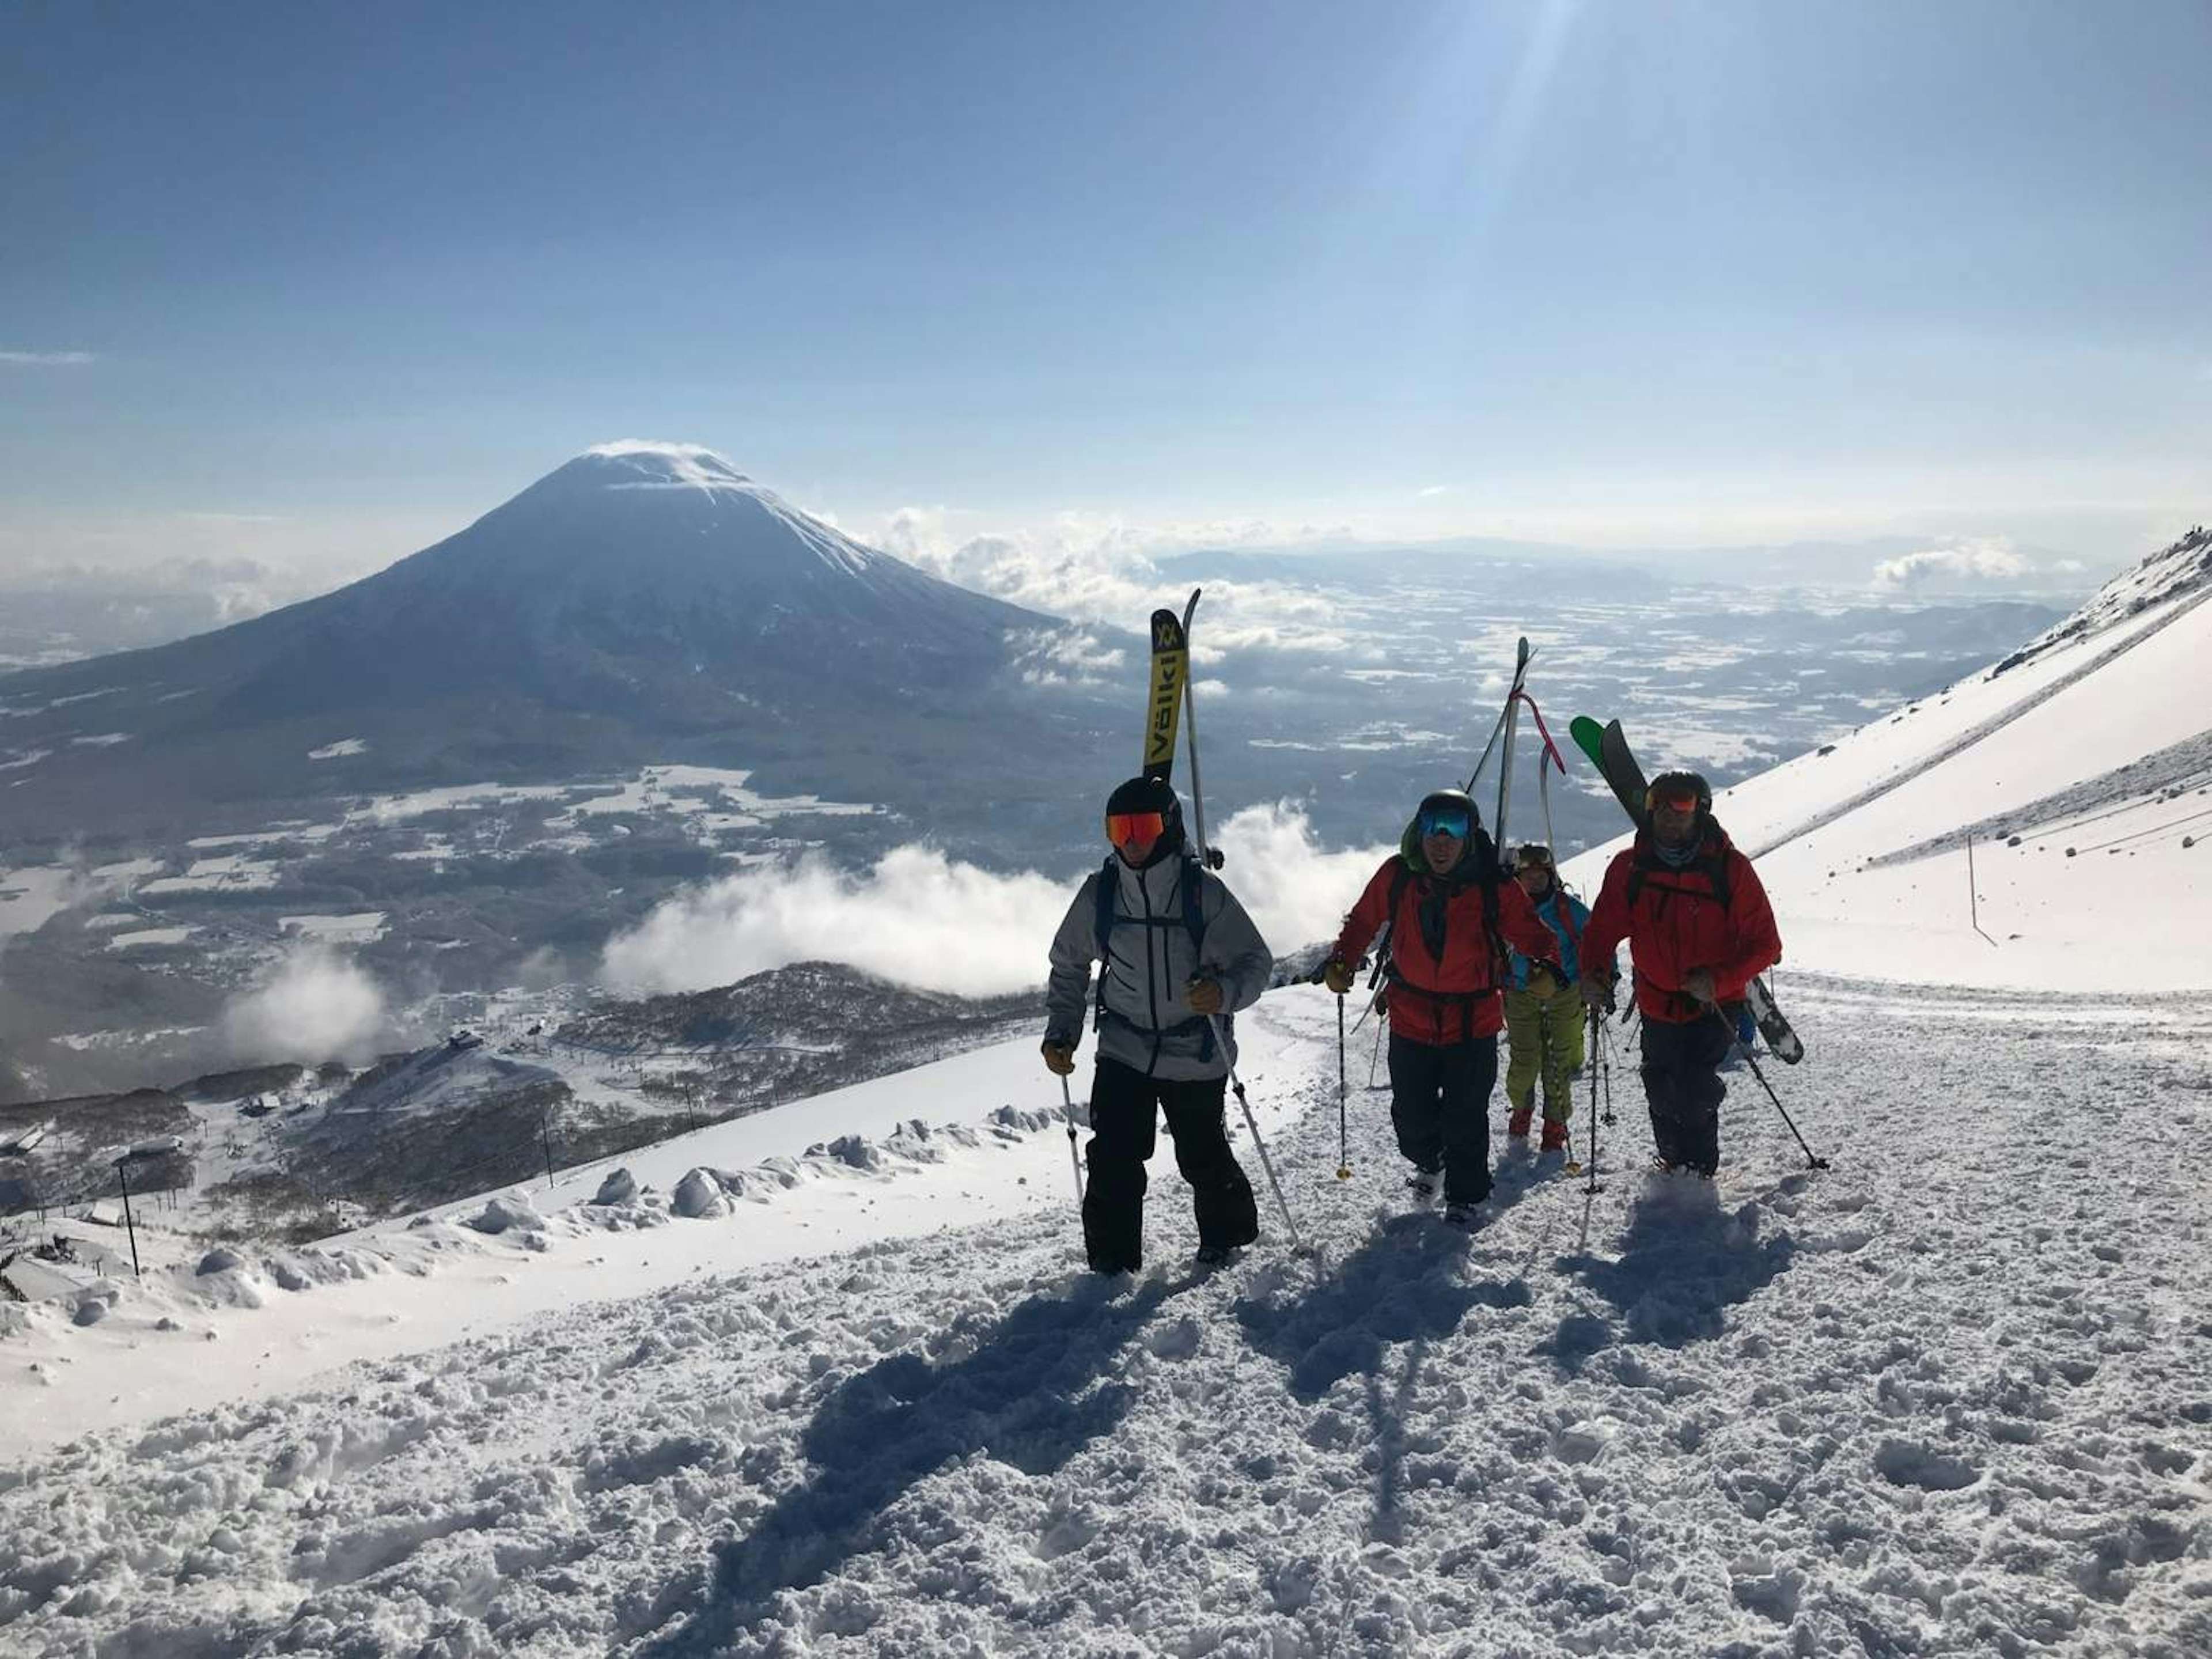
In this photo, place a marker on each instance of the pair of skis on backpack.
(1606, 746)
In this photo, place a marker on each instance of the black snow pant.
(1681, 1081)
(1123, 1124)
(1440, 1107)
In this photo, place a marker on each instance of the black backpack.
(1194, 909)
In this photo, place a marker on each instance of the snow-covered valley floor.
(1954, 1395)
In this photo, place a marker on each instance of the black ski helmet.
(1149, 794)
(1532, 855)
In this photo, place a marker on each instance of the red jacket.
(1677, 925)
(1451, 1001)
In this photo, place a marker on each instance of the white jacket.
(1146, 1020)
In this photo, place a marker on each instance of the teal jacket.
(1567, 929)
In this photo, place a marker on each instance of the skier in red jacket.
(1699, 924)
(1452, 914)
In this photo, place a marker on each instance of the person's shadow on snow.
(1401, 1285)
(1029, 1394)
(1683, 1264)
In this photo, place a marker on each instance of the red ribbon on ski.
(1550, 748)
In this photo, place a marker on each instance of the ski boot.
(1421, 1185)
(1210, 1257)
(1517, 1126)
(1465, 1217)
(1555, 1136)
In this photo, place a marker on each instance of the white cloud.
(313, 1004)
(919, 918)
(1090, 568)
(1294, 889)
(1988, 558)
(49, 359)
(1432, 491)
(1065, 656)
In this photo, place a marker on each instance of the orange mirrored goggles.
(1679, 801)
(1122, 828)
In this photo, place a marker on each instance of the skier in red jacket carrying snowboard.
(1699, 923)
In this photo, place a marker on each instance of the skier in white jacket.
(1169, 984)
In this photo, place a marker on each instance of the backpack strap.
(1486, 881)
(1108, 887)
(1193, 906)
(1713, 868)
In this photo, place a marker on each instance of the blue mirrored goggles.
(1444, 821)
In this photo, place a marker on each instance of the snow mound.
(619, 1187)
(512, 1212)
(699, 1196)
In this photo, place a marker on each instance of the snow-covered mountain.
(643, 599)
(830, 1378)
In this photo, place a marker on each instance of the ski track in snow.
(1951, 1396)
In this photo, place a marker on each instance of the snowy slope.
(1949, 1398)
(889, 1158)
(2082, 767)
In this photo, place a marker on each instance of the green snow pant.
(1546, 1035)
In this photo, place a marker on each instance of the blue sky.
(319, 282)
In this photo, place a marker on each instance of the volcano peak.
(645, 463)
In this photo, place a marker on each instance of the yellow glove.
(1059, 1058)
(1336, 974)
(1204, 996)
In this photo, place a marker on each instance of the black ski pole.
(1597, 1039)
(1343, 1143)
(1812, 1160)
(1605, 1070)
(1375, 1060)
